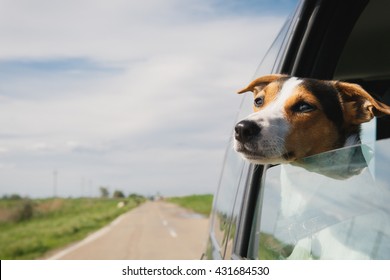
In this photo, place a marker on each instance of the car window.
(274, 53)
(227, 205)
(336, 207)
(271, 62)
(225, 198)
(236, 212)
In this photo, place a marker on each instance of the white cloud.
(166, 100)
(122, 30)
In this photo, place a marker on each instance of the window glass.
(231, 189)
(223, 206)
(335, 206)
(232, 185)
(236, 213)
(274, 54)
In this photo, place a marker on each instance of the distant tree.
(15, 197)
(104, 192)
(118, 194)
(137, 198)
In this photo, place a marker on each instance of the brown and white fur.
(296, 117)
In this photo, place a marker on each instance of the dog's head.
(294, 118)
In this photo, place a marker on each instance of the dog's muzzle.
(246, 131)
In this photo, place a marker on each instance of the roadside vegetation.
(30, 228)
(199, 203)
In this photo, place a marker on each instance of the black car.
(288, 212)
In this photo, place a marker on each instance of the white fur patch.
(276, 108)
(273, 123)
(287, 89)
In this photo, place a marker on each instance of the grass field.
(30, 228)
(199, 203)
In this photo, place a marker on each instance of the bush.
(118, 194)
(14, 197)
(16, 211)
(25, 211)
(137, 198)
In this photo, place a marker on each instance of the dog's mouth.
(262, 155)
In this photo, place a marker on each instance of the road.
(154, 230)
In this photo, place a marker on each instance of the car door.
(310, 214)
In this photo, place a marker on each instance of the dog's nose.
(246, 130)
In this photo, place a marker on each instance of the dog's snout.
(246, 130)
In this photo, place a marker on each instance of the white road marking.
(170, 229)
(172, 232)
(165, 223)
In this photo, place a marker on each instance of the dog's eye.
(259, 101)
(303, 107)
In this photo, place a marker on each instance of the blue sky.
(137, 96)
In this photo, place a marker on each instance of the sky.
(137, 96)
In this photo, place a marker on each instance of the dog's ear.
(358, 104)
(261, 82)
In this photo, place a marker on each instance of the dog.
(297, 121)
(295, 118)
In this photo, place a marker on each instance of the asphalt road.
(154, 230)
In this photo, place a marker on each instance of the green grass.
(52, 223)
(199, 203)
